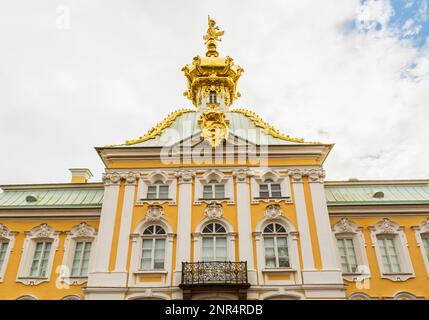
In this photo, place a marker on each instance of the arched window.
(214, 190)
(158, 190)
(214, 245)
(276, 246)
(269, 189)
(153, 248)
(213, 97)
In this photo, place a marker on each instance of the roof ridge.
(269, 129)
(157, 129)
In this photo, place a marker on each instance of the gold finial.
(211, 37)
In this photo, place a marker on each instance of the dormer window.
(213, 97)
(158, 190)
(269, 189)
(214, 190)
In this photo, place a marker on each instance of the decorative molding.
(273, 211)
(154, 213)
(386, 226)
(242, 175)
(82, 230)
(213, 211)
(345, 226)
(185, 176)
(314, 175)
(114, 178)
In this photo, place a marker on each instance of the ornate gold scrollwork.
(214, 127)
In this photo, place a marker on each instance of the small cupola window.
(31, 198)
(213, 97)
(378, 195)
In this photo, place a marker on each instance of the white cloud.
(116, 73)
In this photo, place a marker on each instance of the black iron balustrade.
(214, 273)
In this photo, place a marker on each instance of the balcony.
(215, 276)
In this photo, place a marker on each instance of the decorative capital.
(185, 176)
(130, 178)
(273, 211)
(111, 178)
(296, 175)
(316, 175)
(213, 211)
(242, 175)
(154, 213)
(4, 231)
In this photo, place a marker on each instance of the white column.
(125, 227)
(323, 225)
(302, 220)
(245, 241)
(183, 245)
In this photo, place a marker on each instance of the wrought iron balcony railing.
(214, 272)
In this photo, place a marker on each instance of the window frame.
(421, 232)
(154, 237)
(6, 235)
(386, 227)
(269, 183)
(275, 235)
(43, 232)
(158, 184)
(79, 233)
(214, 235)
(350, 269)
(213, 184)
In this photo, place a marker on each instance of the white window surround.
(81, 232)
(360, 296)
(348, 229)
(259, 177)
(43, 232)
(8, 236)
(136, 252)
(292, 240)
(149, 179)
(403, 295)
(422, 231)
(386, 227)
(220, 178)
(197, 238)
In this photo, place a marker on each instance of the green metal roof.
(186, 125)
(364, 194)
(79, 197)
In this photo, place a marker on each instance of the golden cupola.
(212, 87)
(212, 80)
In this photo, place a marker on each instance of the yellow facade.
(147, 224)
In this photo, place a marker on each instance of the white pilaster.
(303, 226)
(125, 227)
(183, 245)
(107, 222)
(245, 241)
(323, 226)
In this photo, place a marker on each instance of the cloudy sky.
(84, 73)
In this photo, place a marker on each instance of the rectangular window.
(282, 252)
(263, 191)
(270, 252)
(214, 191)
(3, 250)
(163, 192)
(151, 192)
(208, 252)
(425, 240)
(40, 259)
(81, 259)
(347, 254)
(275, 190)
(153, 254)
(389, 255)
